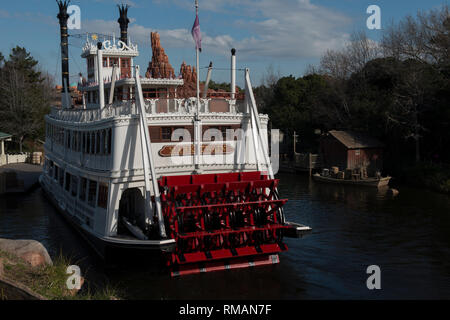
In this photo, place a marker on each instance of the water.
(407, 237)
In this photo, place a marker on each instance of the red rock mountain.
(160, 66)
(189, 75)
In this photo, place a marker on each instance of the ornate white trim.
(109, 47)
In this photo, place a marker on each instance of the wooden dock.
(19, 177)
(302, 162)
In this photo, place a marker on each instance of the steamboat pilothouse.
(138, 167)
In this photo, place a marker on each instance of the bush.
(429, 175)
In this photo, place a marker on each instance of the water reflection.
(407, 236)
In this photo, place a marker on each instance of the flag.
(196, 34)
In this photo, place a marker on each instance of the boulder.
(31, 251)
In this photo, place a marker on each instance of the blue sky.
(285, 34)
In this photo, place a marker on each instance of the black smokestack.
(63, 17)
(123, 21)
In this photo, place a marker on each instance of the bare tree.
(425, 38)
(340, 64)
(270, 77)
(265, 92)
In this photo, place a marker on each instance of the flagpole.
(197, 122)
(198, 59)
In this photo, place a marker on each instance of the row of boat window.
(89, 142)
(126, 94)
(79, 187)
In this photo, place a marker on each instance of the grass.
(50, 281)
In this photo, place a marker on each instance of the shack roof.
(354, 140)
(4, 136)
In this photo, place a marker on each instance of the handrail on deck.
(152, 106)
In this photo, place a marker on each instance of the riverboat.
(135, 166)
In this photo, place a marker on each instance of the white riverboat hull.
(104, 246)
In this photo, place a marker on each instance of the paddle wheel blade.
(223, 221)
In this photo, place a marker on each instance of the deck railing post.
(147, 157)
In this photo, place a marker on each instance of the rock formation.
(31, 251)
(188, 73)
(159, 67)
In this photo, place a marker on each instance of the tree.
(341, 64)
(413, 96)
(265, 92)
(24, 96)
(425, 38)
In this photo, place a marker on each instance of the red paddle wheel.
(222, 221)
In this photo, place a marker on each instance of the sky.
(283, 35)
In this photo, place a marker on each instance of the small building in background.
(351, 150)
(3, 138)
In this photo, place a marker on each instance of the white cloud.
(4, 14)
(279, 29)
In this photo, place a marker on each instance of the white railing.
(152, 106)
(15, 158)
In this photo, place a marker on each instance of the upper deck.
(162, 108)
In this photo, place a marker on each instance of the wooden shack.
(351, 150)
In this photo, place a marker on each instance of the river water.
(408, 237)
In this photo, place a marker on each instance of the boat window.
(125, 62)
(79, 141)
(98, 142)
(83, 185)
(113, 61)
(67, 139)
(92, 194)
(92, 134)
(74, 186)
(61, 177)
(149, 93)
(82, 141)
(357, 152)
(88, 222)
(166, 133)
(88, 143)
(105, 62)
(51, 169)
(67, 181)
(75, 141)
(109, 140)
(103, 195)
(56, 173)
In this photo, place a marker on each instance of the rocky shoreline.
(28, 273)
